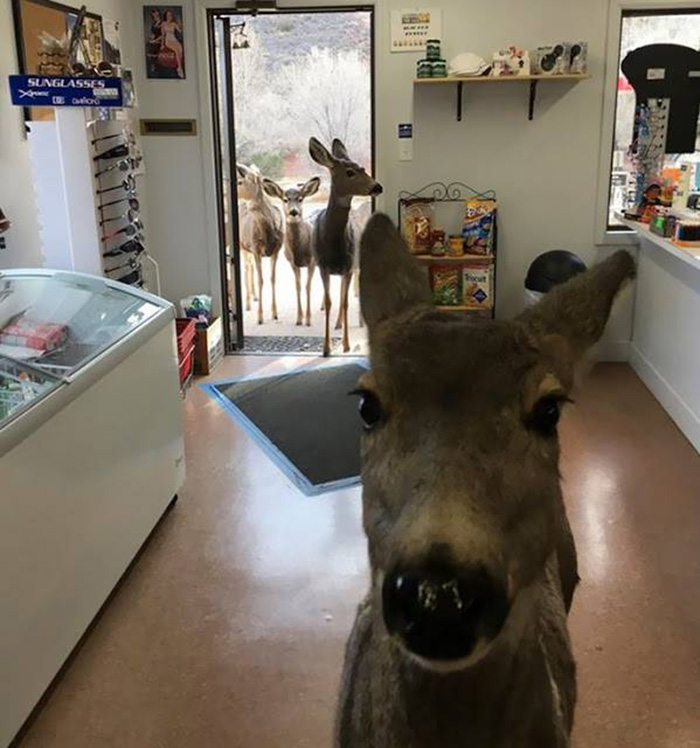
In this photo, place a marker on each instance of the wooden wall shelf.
(533, 80)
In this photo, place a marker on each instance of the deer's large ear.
(273, 189)
(391, 281)
(242, 170)
(579, 309)
(310, 188)
(339, 149)
(319, 153)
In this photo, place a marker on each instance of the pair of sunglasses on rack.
(126, 164)
(128, 136)
(131, 246)
(133, 204)
(117, 152)
(131, 229)
(132, 215)
(128, 185)
(134, 278)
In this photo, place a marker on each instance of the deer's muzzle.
(440, 612)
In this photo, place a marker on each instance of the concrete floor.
(230, 629)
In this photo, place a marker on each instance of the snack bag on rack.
(478, 226)
(417, 226)
(446, 285)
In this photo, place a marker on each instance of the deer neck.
(262, 204)
(474, 706)
(335, 217)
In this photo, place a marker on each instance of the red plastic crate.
(186, 330)
(186, 367)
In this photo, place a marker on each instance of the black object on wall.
(669, 71)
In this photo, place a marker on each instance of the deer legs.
(344, 292)
(309, 278)
(297, 280)
(326, 278)
(273, 260)
(259, 270)
(249, 276)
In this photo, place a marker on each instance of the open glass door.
(225, 166)
(279, 77)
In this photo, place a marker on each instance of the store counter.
(665, 349)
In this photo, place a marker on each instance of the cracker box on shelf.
(477, 284)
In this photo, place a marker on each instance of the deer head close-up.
(462, 640)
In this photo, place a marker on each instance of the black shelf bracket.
(459, 101)
(533, 98)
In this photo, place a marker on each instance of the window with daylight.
(639, 29)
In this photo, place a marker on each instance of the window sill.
(622, 238)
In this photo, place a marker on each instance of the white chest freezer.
(91, 455)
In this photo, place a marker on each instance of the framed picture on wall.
(38, 20)
(164, 41)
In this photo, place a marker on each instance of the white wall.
(16, 187)
(545, 171)
(176, 220)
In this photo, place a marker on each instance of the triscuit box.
(477, 285)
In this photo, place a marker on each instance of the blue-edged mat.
(303, 419)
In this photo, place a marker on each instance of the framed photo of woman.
(164, 41)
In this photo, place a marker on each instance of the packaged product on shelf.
(511, 62)
(446, 284)
(478, 227)
(418, 225)
(477, 284)
(553, 60)
(578, 58)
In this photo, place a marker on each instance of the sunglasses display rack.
(86, 176)
(118, 164)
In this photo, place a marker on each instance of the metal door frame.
(224, 15)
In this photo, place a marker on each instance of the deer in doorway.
(261, 230)
(462, 640)
(333, 237)
(246, 192)
(297, 236)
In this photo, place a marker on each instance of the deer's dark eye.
(545, 416)
(351, 172)
(369, 408)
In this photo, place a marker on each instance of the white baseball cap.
(468, 64)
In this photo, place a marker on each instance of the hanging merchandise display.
(671, 73)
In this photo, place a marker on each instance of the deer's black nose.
(440, 613)
(377, 189)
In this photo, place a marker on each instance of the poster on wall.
(411, 29)
(164, 41)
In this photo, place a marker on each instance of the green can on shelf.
(424, 69)
(438, 68)
(432, 49)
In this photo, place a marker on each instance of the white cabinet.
(91, 455)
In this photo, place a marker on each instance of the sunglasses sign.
(40, 90)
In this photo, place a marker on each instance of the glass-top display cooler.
(53, 324)
(91, 455)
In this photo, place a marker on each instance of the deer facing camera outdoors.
(297, 236)
(462, 641)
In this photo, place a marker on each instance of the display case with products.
(91, 455)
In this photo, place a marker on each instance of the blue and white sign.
(61, 90)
